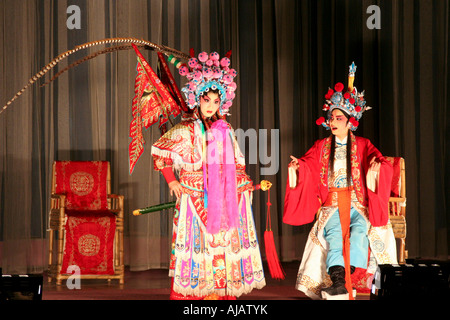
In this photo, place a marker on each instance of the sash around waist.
(332, 199)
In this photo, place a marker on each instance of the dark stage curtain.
(304, 47)
(287, 53)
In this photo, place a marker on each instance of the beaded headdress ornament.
(209, 72)
(351, 102)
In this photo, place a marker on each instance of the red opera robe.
(305, 202)
(302, 203)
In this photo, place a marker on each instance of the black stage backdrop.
(287, 53)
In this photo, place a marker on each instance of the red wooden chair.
(85, 223)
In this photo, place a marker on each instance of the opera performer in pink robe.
(215, 250)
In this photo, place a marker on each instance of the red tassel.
(275, 268)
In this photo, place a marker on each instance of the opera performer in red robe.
(215, 250)
(344, 182)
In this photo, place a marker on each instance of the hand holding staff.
(264, 186)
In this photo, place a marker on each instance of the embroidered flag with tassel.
(152, 103)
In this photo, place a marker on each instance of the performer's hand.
(294, 163)
(374, 165)
(175, 188)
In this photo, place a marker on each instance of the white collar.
(344, 141)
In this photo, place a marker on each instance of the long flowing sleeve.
(378, 199)
(302, 202)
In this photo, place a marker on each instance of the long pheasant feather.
(62, 56)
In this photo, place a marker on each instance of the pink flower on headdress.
(230, 95)
(191, 86)
(197, 75)
(232, 86)
(217, 73)
(183, 70)
(209, 63)
(227, 105)
(207, 72)
(227, 79)
(214, 56)
(232, 72)
(202, 57)
(339, 87)
(192, 63)
(225, 62)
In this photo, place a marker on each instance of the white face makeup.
(339, 124)
(209, 104)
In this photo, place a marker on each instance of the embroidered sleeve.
(302, 202)
(378, 199)
(179, 148)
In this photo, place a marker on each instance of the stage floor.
(155, 285)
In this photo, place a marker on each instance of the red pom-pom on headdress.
(329, 94)
(354, 122)
(320, 121)
(339, 87)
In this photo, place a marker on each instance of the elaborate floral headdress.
(209, 72)
(350, 102)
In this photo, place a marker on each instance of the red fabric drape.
(90, 226)
(90, 241)
(83, 183)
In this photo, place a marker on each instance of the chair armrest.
(115, 203)
(397, 206)
(57, 210)
(397, 199)
(59, 200)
